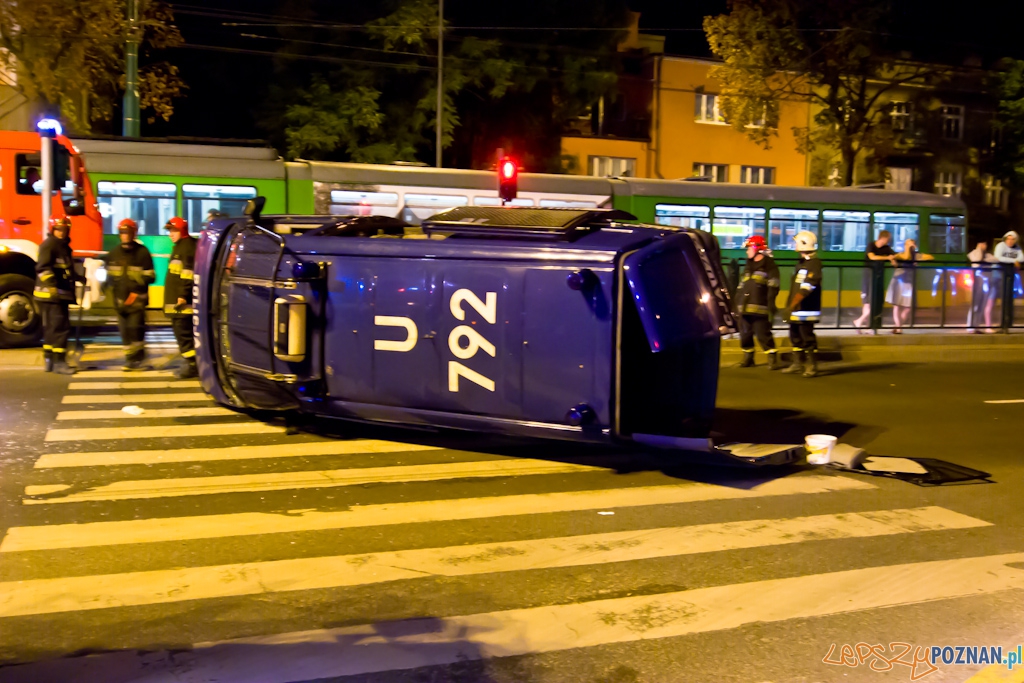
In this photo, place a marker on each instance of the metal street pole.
(130, 123)
(440, 75)
(46, 152)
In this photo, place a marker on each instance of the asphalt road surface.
(192, 543)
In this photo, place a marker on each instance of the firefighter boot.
(748, 360)
(187, 370)
(812, 364)
(773, 360)
(797, 365)
(60, 365)
(47, 360)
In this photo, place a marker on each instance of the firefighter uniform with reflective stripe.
(756, 303)
(806, 279)
(178, 286)
(54, 292)
(130, 272)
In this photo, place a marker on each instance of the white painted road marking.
(153, 413)
(90, 374)
(286, 481)
(93, 534)
(1012, 400)
(71, 594)
(135, 398)
(286, 450)
(163, 431)
(174, 384)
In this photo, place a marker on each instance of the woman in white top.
(901, 288)
(984, 289)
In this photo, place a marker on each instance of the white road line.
(1012, 400)
(127, 399)
(212, 411)
(91, 374)
(174, 384)
(370, 648)
(287, 481)
(162, 431)
(132, 589)
(133, 531)
(288, 450)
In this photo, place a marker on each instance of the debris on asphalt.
(133, 410)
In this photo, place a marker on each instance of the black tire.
(20, 323)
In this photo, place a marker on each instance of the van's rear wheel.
(20, 324)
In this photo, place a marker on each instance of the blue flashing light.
(49, 128)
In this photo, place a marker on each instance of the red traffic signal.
(508, 179)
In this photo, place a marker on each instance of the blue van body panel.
(502, 332)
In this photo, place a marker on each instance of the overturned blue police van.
(559, 323)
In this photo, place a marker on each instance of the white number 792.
(488, 310)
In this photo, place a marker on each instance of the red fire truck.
(21, 224)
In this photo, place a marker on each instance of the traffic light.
(508, 179)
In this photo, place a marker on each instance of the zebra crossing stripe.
(998, 673)
(133, 589)
(134, 531)
(286, 481)
(151, 413)
(182, 397)
(289, 450)
(374, 648)
(96, 374)
(173, 384)
(162, 431)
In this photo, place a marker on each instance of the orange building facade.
(686, 135)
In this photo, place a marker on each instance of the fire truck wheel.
(20, 324)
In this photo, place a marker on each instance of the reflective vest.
(55, 271)
(178, 284)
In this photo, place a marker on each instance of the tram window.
(697, 217)
(734, 224)
(420, 206)
(786, 223)
(903, 226)
(150, 205)
(567, 203)
(356, 203)
(200, 200)
(947, 234)
(844, 230)
(495, 201)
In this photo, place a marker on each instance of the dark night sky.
(226, 89)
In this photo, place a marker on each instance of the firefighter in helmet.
(54, 292)
(756, 302)
(804, 306)
(178, 293)
(129, 274)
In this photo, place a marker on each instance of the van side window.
(28, 168)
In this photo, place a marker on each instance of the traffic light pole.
(440, 76)
(130, 122)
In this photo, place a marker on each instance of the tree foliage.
(69, 56)
(1009, 88)
(830, 54)
(379, 103)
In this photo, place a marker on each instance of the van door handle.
(22, 221)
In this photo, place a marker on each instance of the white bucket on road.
(819, 448)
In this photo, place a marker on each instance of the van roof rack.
(552, 224)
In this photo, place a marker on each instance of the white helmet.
(806, 241)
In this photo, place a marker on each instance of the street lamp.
(48, 129)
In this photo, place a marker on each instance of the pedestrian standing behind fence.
(901, 288)
(755, 302)
(877, 253)
(984, 289)
(803, 309)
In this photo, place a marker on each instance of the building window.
(717, 173)
(947, 183)
(899, 113)
(952, 122)
(228, 200)
(706, 110)
(757, 175)
(995, 194)
(150, 205)
(734, 224)
(605, 167)
(696, 217)
(898, 178)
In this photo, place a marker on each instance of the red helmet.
(129, 226)
(60, 223)
(177, 223)
(757, 242)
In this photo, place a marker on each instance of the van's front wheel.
(20, 323)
